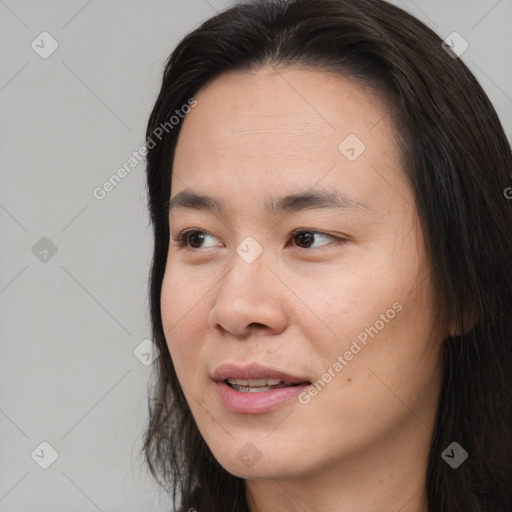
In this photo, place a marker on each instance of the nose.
(250, 299)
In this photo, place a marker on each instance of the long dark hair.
(458, 162)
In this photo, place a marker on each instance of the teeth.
(257, 385)
(257, 382)
(249, 389)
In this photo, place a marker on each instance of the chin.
(255, 461)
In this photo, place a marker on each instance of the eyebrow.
(309, 200)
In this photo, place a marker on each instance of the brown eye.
(191, 239)
(195, 238)
(304, 239)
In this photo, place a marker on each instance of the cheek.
(386, 351)
(341, 304)
(378, 312)
(184, 332)
(183, 311)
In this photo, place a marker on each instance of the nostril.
(259, 326)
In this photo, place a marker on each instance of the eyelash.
(181, 239)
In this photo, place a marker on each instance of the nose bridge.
(248, 293)
(249, 276)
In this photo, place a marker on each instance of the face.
(333, 296)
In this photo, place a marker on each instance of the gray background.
(70, 321)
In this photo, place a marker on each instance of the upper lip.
(253, 371)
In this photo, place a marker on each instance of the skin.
(362, 442)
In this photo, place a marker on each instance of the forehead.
(304, 108)
(287, 128)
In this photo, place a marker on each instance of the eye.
(304, 239)
(309, 237)
(193, 235)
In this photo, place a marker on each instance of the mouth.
(258, 385)
(255, 389)
(254, 375)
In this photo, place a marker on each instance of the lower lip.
(257, 402)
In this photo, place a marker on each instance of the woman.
(331, 290)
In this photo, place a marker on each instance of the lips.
(255, 389)
(255, 375)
